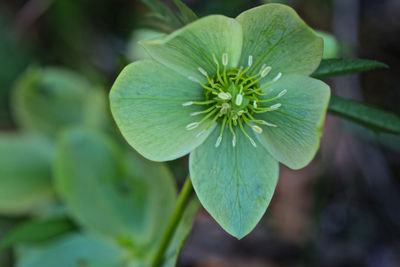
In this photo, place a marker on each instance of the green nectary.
(231, 97)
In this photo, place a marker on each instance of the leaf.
(73, 249)
(163, 12)
(374, 118)
(47, 100)
(339, 67)
(187, 15)
(107, 192)
(25, 173)
(35, 231)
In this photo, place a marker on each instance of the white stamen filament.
(225, 59)
(225, 96)
(195, 113)
(282, 93)
(276, 106)
(266, 71)
(239, 100)
(277, 77)
(250, 62)
(200, 133)
(189, 103)
(192, 126)
(257, 129)
(267, 123)
(234, 141)
(202, 71)
(215, 59)
(252, 142)
(193, 79)
(219, 139)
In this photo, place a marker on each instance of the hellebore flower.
(234, 93)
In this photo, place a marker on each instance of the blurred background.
(341, 210)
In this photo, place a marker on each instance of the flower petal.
(276, 36)
(146, 102)
(191, 47)
(299, 120)
(234, 184)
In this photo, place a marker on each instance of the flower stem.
(183, 201)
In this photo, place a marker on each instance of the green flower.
(234, 93)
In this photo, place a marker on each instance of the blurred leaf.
(36, 231)
(376, 119)
(25, 173)
(73, 250)
(187, 15)
(108, 192)
(331, 45)
(339, 67)
(48, 100)
(164, 13)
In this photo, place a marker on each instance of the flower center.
(233, 97)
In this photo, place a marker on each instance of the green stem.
(183, 200)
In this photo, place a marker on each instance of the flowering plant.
(234, 93)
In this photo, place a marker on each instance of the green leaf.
(122, 196)
(187, 15)
(234, 184)
(164, 13)
(146, 102)
(331, 45)
(191, 47)
(276, 36)
(25, 173)
(136, 51)
(73, 250)
(374, 118)
(339, 67)
(48, 100)
(299, 120)
(35, 231)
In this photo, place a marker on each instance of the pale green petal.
(191, 47)
(299, 120)
(146, 102)
(276, 36)
(234, 184)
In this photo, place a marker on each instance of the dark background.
(341, 210)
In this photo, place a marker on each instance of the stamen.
(195, 113)
(267, 123)
(202, 71)
(234, 141)
(250, 62)
(252, 141)
(266, 71)
(277, 77)
(192, 126)
(276, 106)
(225, 59)
(225, 95)
(215, 60)
(240, 112)
(239, 100)
(189, 103)
(225, 107)
(255, 104)
(219, 139)
(200, 133)
(193, 79)
(282, 93)
(262, 67)
(257, 129)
